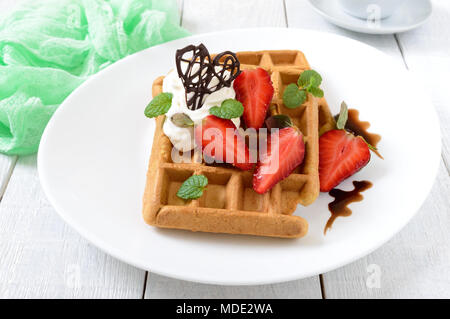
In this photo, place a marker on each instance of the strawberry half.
(214, 127)
(283, 155)
(254, 90)
(341, 154)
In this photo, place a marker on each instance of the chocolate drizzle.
(342, 199)
(359, 128)
(197, 71)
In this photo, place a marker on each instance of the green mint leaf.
(278, 121)
(309, 78)
(229, 109)
(317, 92)
(181, 120)
(193, 187)
(159, 105)
(293, 97)
(343, 116)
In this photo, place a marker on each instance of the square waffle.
(229, 204)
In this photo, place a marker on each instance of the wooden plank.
(180, 4)
(163, 287)
(201, 16)
(7, 164)
(414, 264)
(42, 257)
(7, 5)
(427, 53)
(205, 16)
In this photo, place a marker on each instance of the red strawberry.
(341, 154)
(282, 157)
(255, 91)
(234, 144)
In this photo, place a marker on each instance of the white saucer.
(410, 15)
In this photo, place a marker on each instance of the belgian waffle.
(229, 204)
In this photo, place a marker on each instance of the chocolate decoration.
(201, 70)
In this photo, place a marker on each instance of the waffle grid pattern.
(229, 204)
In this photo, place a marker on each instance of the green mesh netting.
(49, 47)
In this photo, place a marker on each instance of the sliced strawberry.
(283, 155)
(255, 91)
(341, 155)
(233, 144)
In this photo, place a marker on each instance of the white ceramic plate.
(93, 160)
(409, 15)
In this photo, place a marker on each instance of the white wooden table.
(42, 257)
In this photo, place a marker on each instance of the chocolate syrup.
(197, 81)
(342, 199)
(358, 127)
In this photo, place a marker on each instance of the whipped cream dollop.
(183, 138)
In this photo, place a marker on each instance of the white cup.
(365, 9)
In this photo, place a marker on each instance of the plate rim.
(126, 258)
(365, 30)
